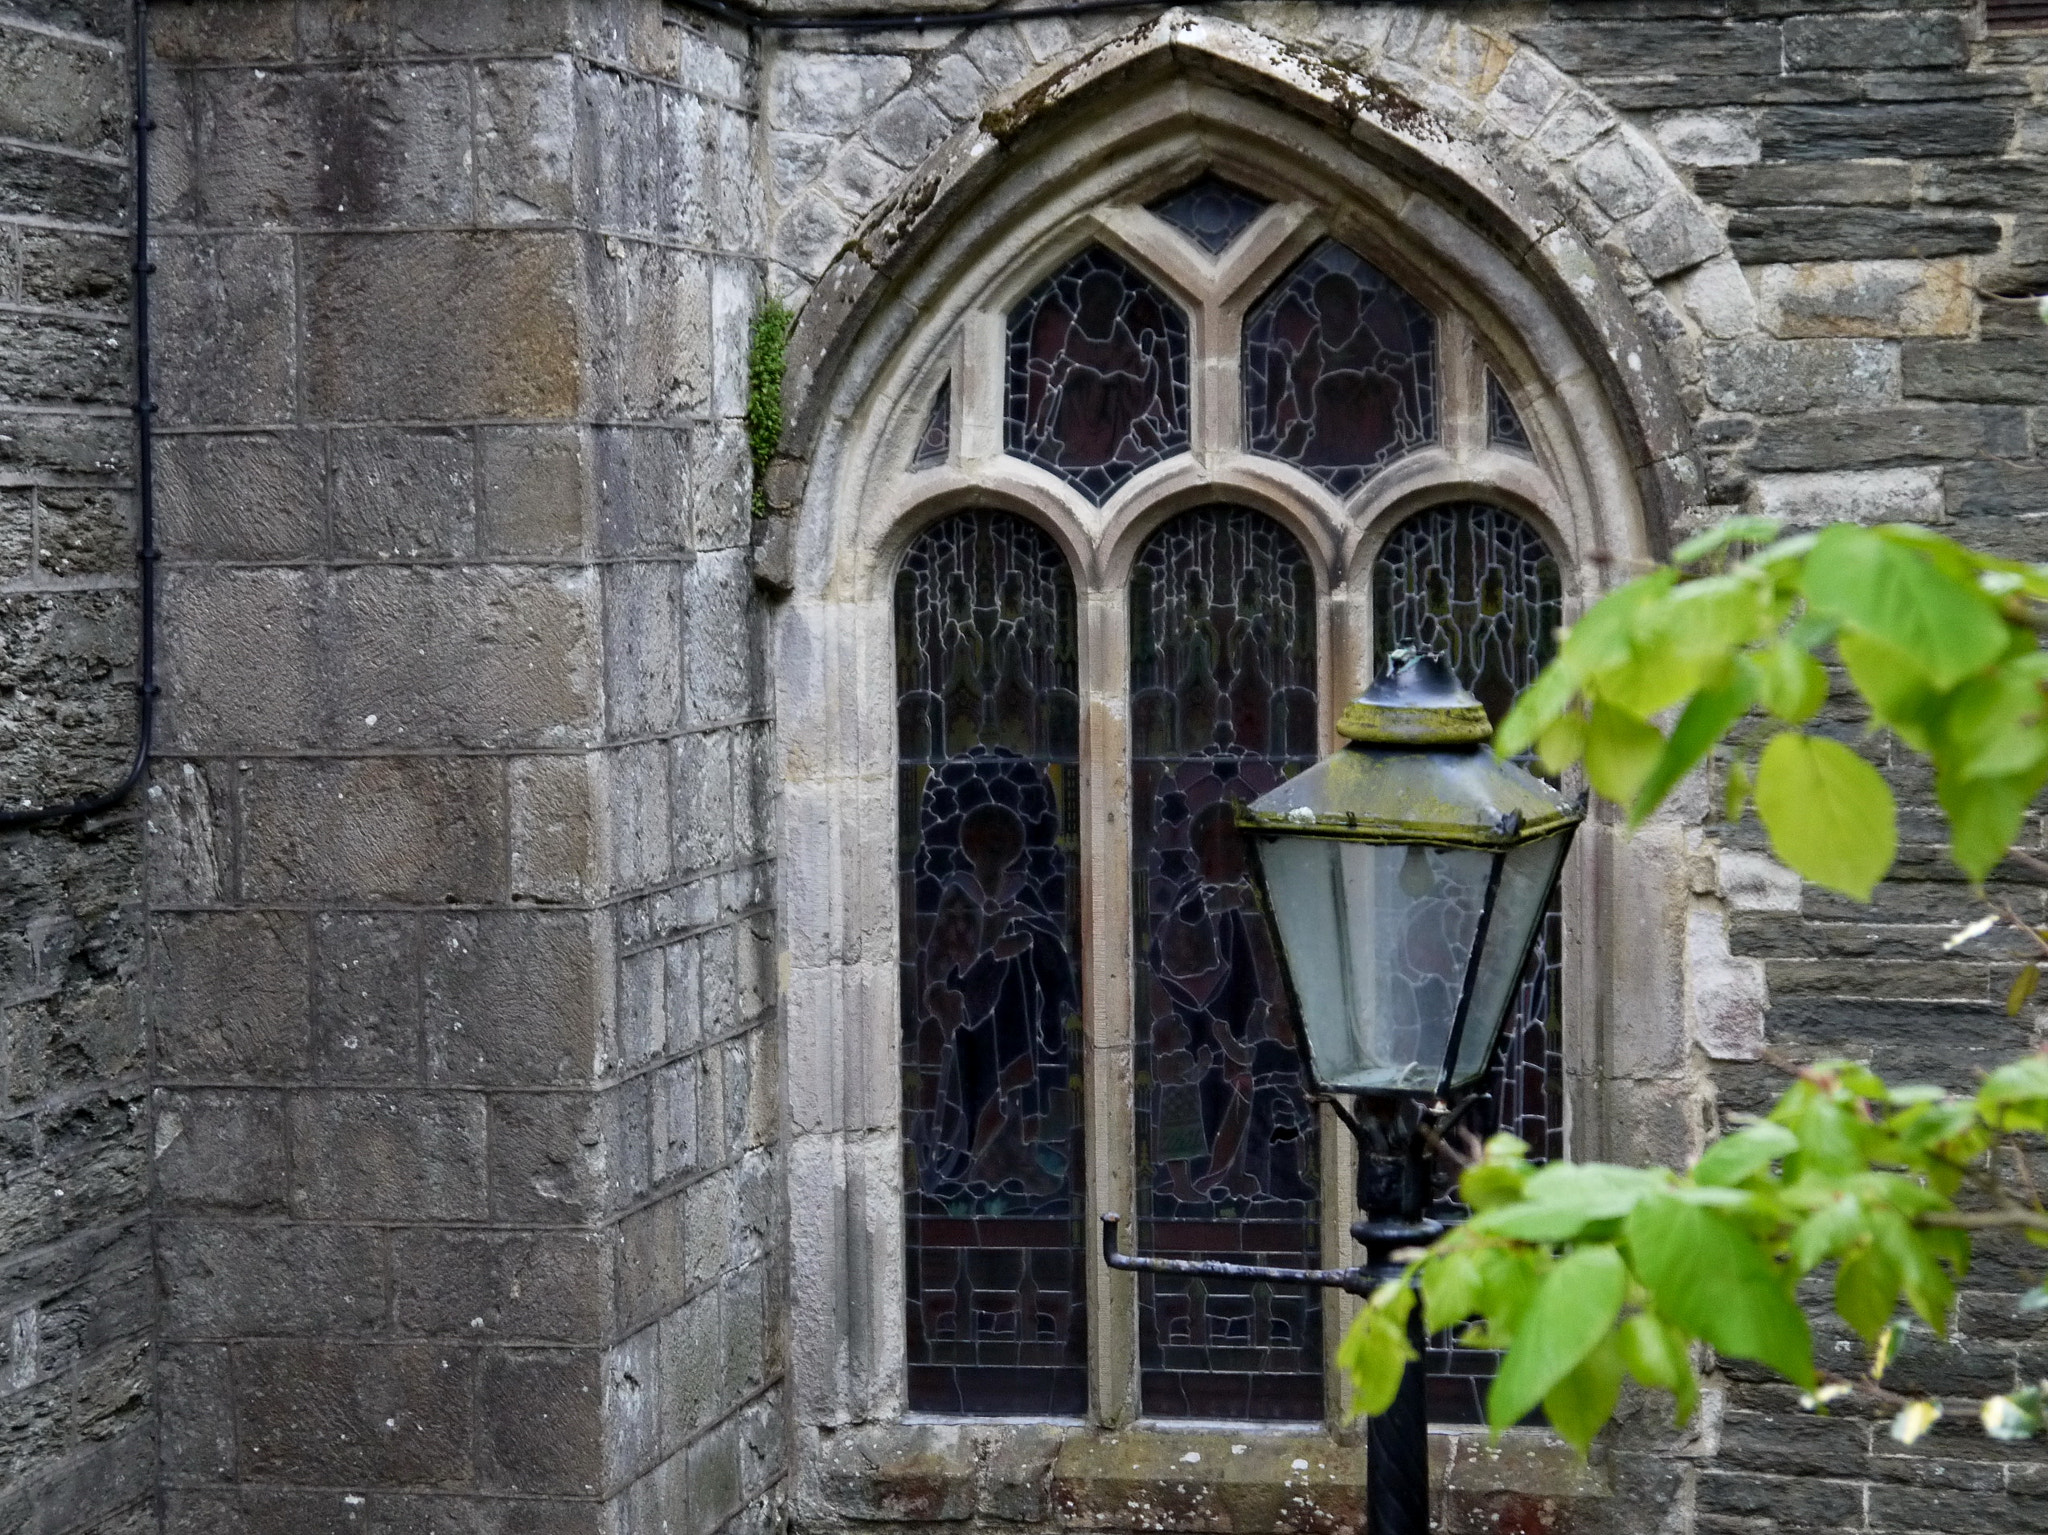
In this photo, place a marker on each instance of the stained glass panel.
(937, 440)
(1477, 584)
(1098, 375)
(1339, 369)
(1223, 707)
(1503, 425)
(1210, 211)
(987, 811)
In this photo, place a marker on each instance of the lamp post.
(1406, 875)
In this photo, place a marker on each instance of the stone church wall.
(459, 1200)
(76, 1431)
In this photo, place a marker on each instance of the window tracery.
(1098, 385)
(1119, 361)
(1210, 211)
(1339, 369)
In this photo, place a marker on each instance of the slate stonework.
(404, 1122)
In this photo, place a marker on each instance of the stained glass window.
(1477, 584)
(988, 741)
(1223, 707)
(1210, 211)
(1098, 375)
(937, 440)
(1503, 425)
(1339, 369)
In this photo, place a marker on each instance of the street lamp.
(1407, 875)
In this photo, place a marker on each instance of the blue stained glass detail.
(1503, 425)
(1210, 211)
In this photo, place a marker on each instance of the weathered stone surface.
(389, 333)
(230, 1280)
(1875, 438)
(402, 494)
(2006, 369)
(1898, 41)
(1856, 183)
(1779, 377)
(226, 347)
(1905, 131)
(1629, 48)
(391, 1414)
(229, 994)
(541, 1423)
(404, 829)
(512, 998)
(1852, 234)
(220, 1149)
(241, 496)
(1865, 298)
(1997, 490)
(366, 997)
(487, 1286)
(363, 1155)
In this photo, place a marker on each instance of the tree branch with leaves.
(1589, 1273)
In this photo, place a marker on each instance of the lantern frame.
(1416, 730)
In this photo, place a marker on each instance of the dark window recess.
(1098, 375)
(1210, 211)
(988, 740)
(2016, 15)
(937, 440)
(1339, 369)
(1503, 426)
(1223, 707)
(1478, 584)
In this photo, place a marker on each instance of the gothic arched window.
(1174, 485)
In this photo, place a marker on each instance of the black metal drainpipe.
(145, 483)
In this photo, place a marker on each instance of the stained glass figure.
(1477, 584)
(1339, 369)
(1210, 211)
(988, 743)
(1098, 375)
(1223, 707)
(937, 440)
(1503, 425)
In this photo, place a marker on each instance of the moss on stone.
(767, 358)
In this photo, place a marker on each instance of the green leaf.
(1926, 1284)
(1452, 1287)
(1899, 694)
(1656, 1354)
(1736, 1158)
(1992, 725)
(1729, 530)
(2022, 988)
(2015, 1097)
(1867, 1292)
(1621, 750)
(1705, 720)
(1574, 1308)
(1830, 816)
(1539, 706)
(1709, 1277)
(1895, 594)
(1834, 1228)
(1735, 796)
(1789, 682)
(1375, 1352)
(1580, 1405)
(1603, 638)
(1563, 743)
(1984, 816)
(1562, 1199)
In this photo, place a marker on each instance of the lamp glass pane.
(1517, 908)
(1378, 941)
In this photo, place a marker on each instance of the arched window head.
(1210, 211)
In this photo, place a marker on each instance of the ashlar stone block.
(230, 1280)
(402, 495)
(1850, 495)
(226, 348)
(220, 1149)
(392, 329)
(1865, 298)
(490, 1286)
(514, 998)
(540, 1425)
(361, 1155)
(247, 496)
(534, 490)
(229, 994)
(390, 829)
(1778, 377)
(832, 93)
(354, 1413)
(525, 140)
(242, 659)
(366, 997)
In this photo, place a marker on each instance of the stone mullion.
(1106, 957)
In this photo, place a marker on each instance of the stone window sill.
(1206, 1479)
